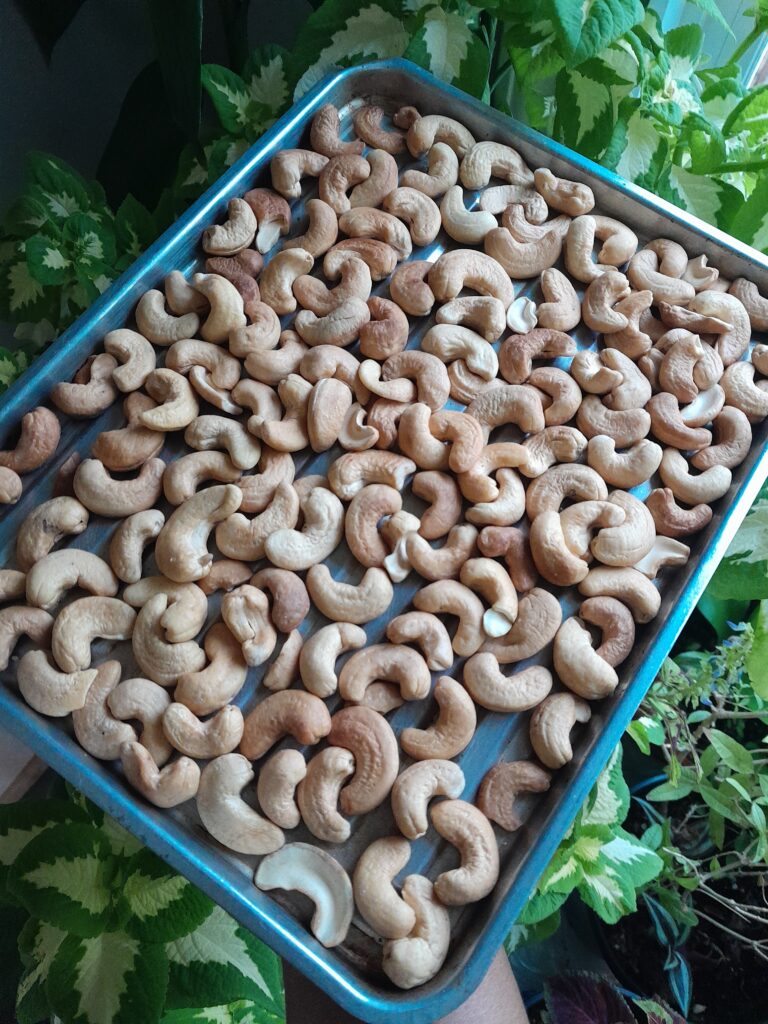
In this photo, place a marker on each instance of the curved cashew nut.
(562, 309)
(453, 598)
(380, 257)
(579, 666)
(55, 574)
(501, 786)
(144, 701)
(129, 540)
(320, 536)
(290, 600)
(428, 632)
(181, 550)
(212, 738)
(92, 390)
(409, 290)
(187, 605)
(538, 619)
(161, 661)
(49, 691)
(289, 166)
(415, 959)
(492, 581)
(571, 197)
(624, 469)
(416, 786)
(467, 268)
(246, 613)
(375, 895)
(160, 327)
(276, 787)
(337, 178)
(102, 494)
(287, 712)
(224, 813)
(350, 473)
(367, 121)
(626, 426)
(615, 622)
(45, 526)
(451, 732)
(166, 787)
(370, 738)
(704, 487)
(349, 602)
(391, 662)
(370, 222)
(38, 440)
(491, 689)
(426, 131)
(628, 585)
(221, 680)
(96, 728)
(742, 392)
(467, 828)
(644, 273)
(318, 655)
(318, 794)
(551, 725)
(79, 623)
(731, 442)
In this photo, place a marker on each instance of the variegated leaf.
(446, 45)
(703, 195)
(244, 1011)
(38, 943)
(21, 822)
(161, 905)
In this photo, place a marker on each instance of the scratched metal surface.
(351, 972)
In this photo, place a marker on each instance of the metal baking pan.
(351, 973)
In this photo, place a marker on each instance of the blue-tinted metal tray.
(351, 972)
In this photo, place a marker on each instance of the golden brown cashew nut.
(571, 197)
(375, 895)
(577, 664)
(731, 442)
(79, 623)
(324, 133)
(160, 327)
(562, 309)
(370, 222)
(516, 354)
(285, 713)
(289, 166)
(38, 440)
(246, 613)
(161, 661)
(538, 619)
(501, 786)
(313, 872)
(276, 787)
(453, 729)
(367, 121)
(409, 290)
(224, 813)
(126, 548)
(627, 585)
(626, 426)
(370, 738)
(273, 215)
(703, 488)
(49, 691)
(95, 727)
(380, 182)
(623, 469)
(452, 598)
(467, 268)
(222, 679)
(428, 632)
(212, 738)
(551, 554)
(442, 172)
(466, 226)
(144, 701)
(426, 131)
(416, 786)
(50, 578)
(45, 525)
(318, 794)
(349, 602)
(551, 725)
(467, 828)
(415, 959)
(166, 787)
(181, 550)
(616, 625)
(129, 447)
(390, 662)
(92, 390)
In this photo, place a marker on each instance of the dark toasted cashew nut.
(49, 691)
(181, 550)
(623, 469)
(161, 661)
(755, 304)
(18, 620)
(367, 121)
(78, 624)
(92, 390)
(53, 576)
(276, 787)
(375, 896)
(144, 701)
(224, 813)
(166, 787)
(416, 786)
(285, 713)
(160, 327)
(468, 829)
(380, 257)
(221, 680)
(318, 793)
(38, 440)
(390, 662)
(370, 738)
(409, 289)
(313, 872)
(324, 133)
(562, 309)
(626, 427)
(551, 489)
(426, 131)
(731, 442)
(380, 182)
(538, 619)
(428, 632)
(516, 354)
(453, 598)
(501, 786)
(348, 602)
(318, 655)
(626, 584)
(441, 563)
(212, 738)
(571, 197)
(95, 727)
(579, 667)
(246, 613)
(551, 725)
(126, 547)
(441, 491)
(615, 622)
(467, 268)
(453, 729)
(551, 554)
(289, 166)
(45, 526)
(414, 960)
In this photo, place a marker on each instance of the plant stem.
(745, 44)
(758, 947)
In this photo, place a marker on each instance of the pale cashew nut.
(370, 222)
(509, 403)
(501, 787)
(159, 660)
(466, 226)
(550, 490)
(181, 297)
(289, 166)
(449, 342)
(481, 313)
(554, 444)
(627, 585)
(703, 488)
(377, 900)
(426, 131)
(370, 738)
(318, 655)
(631, 540)
(467, 268)
(92, 390)
(129, 447)
(512, 543)
(273, 215)
(285, 713)
(322, 230)
(755, 304)
(181, 550)
(212, 738)
(551, 725)
(276, 787)
(144, 701)
(571, 197)
(386, 333)
(504, 198)
(743, 393)
(166, 787)
(221, 680)
(313, 872)
(442, 172)
(224, 813)
(320, 536)
(102, 494)
(355, 283)
(278, 276)
(599, 299)
(538, 619)
(644, 273)
(440, 563)
(380, 257)
(236, 233)
(450, 597)
(492, 581)
(428, 632)
(49, 691)
(516, 355)
(453, 729)
(350, 473)
(556, 562)
(380, 182)
(349, 602)
(284, 670)
(242, 538)
(367, 121)
(52, 576)
(579, 666)
(444, 497)
(187, 605)
(206, 433)
(626, 426)
(409, 290)
(467, 828)
(624, 469)
(246, 612)
(415, 959)
(733, 343)
(339, 327)
(159, 327)
(579, 520)
(318, 793)
(96, 728)
(562, 394)
(185, 474)
(338, 176)
(416, 786)
(731, 442)
(38, 440)
(562, 309)
(665, 551)
(78, 624)
(177, 403)
(389, 662)
(225, 574)
(46, 525)
(616, 625)
(126, 547)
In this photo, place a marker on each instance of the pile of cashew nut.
(612, 457)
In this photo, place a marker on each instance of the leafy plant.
(586, 999)
(114, 936)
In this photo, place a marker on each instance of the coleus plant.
(114, 936)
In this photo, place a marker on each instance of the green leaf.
(705, 196)
(735, 581)
(92, 243)
(38, 943)
(750, 225)
(627, 855)
(177, 26)
(683, 46)
(221, 962)
(750, 116)
(751, 541)
(584, 30)
(720, 804)
(756, 662)
(230, 97)
(244, 1011)
(20, 823)
(110, 978)
(446, 45)
(584, 119)
(710, 8)
(608, 802)
(669, 791)
(266, 77)
(60, 187)
(526, 934)
(731, 753)
(47, 260)
(64, 876)
(135, 227)
(161, 904)
(343, 27)
(719, 613)
(719, 98)
(21, 296)
(540, 905)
